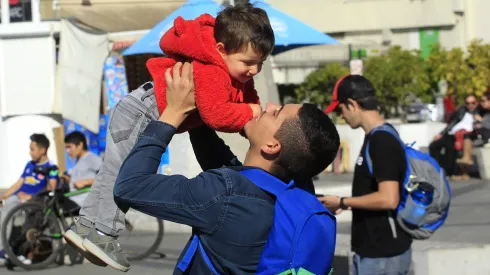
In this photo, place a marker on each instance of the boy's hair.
(237, 26)
(41, 140)
(77, 138)
(309, 143)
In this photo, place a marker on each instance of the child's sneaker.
(107, 249)
(75, 236)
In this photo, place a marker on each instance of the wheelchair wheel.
(35, 238)
(142, 236)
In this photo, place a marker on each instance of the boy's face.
(36, 152)
(242, 65)
(74, 150)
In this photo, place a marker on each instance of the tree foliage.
(399, 76)
(318, 86)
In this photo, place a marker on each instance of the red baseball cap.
(356, 88)
(335, 97)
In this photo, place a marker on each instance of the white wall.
(184, 162)
(353, 15)
(420, 133)
(27, 75)
(14, 144)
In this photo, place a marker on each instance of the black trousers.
(442, 150)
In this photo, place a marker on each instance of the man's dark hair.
(359, 89)
(237, 26)
(309, 144)
(77, 138)
(41, 140)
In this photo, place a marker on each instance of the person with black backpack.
(398, 193)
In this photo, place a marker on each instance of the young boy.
(39, 174)
(244, 39)
(86, 167)
(226, 53)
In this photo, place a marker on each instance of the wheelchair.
(32, 232)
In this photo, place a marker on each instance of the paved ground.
(172, 246)
(468, 222)
(469, 216)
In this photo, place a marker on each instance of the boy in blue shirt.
(39, 174)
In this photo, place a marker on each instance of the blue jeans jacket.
(230, 214)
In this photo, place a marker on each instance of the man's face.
(242, 65)
(471, 103)
(36, 152)
(262, 131)
(350, 114)
(74, 150)
(485, 102)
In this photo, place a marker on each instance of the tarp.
(81, 63)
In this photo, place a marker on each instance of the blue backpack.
(421, 167)
(302, 237)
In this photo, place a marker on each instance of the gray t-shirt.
(86, 167)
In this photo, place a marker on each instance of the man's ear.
(221, 49)
(271, 148)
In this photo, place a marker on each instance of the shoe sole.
(76, 241)
(99, 253)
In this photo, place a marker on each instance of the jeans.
(128, 119)
(397, 265)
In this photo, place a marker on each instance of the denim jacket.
(230, 215)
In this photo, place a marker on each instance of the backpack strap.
(387, 128)
(390, 129)
(266, 181)
(191, 252)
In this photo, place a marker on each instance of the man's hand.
(180, 94)
(437, 137)
(332, 203)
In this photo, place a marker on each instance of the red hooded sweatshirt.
(220, 100)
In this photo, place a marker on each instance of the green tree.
(479, 61)
(465, 73)
(398, 76)
(318, 85)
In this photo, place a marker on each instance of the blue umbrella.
(289, 32)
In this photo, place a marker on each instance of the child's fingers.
(186, 70)
(168, 77)
(176, 72)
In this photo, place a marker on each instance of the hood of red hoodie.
(193, 39)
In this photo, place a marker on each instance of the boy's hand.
(256, 109)
(180, 94)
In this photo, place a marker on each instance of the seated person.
(86, 167)
(39, 174)
(442, 148)
(481, 133)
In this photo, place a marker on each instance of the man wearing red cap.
(381, 246)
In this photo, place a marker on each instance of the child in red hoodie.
(226, 53)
